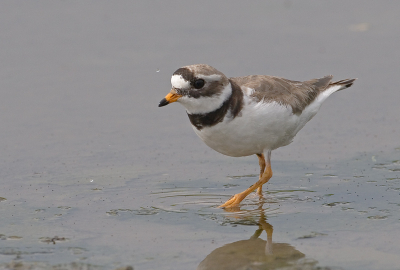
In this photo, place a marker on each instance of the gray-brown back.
(286, 92)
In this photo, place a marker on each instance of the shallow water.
(95, 176)
(345, 216)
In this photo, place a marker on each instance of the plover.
(249, 115)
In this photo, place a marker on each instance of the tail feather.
(321, 83)
(346, 83)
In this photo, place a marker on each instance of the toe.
(233, 201)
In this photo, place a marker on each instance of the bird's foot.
(234, 200)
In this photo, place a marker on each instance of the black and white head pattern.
(202, 87)
(207, 94)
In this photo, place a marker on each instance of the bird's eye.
(199, 83)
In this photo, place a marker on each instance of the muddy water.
(95, 176)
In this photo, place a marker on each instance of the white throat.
(204, 105)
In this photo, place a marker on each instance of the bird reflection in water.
(256, 253)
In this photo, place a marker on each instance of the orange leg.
(261, 161)
(265, 175)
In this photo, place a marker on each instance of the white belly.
(262, 126)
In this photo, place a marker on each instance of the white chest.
(260, 126)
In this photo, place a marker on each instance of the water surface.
(95, 176)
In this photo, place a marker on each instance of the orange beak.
(171, 97)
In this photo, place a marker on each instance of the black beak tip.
(163, 102)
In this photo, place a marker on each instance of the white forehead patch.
(177, 81)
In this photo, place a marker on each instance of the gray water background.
(87, 156)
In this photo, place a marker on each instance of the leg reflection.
(255, 253)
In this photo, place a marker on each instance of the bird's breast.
(260, 126)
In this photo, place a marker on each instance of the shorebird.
(248, 115)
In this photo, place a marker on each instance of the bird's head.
(199, 88)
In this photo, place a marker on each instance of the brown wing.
(286, 92)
